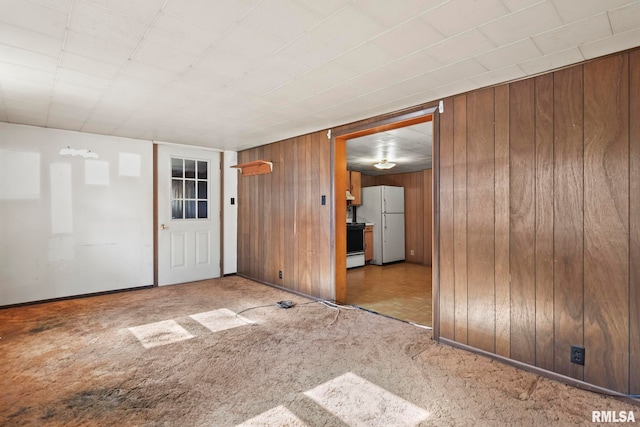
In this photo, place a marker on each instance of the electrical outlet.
(577, 355)
(280, 274)
(411, 251)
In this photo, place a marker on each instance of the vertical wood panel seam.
(534, 186)
(553, 214)
(466, 202)
(583, 208)
(629, 269)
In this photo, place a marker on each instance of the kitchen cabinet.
(354, 184)
(368, 243)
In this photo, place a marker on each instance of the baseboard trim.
(543, 372)
(291, 291)
(70, 297)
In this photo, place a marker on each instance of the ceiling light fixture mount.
(384, 164)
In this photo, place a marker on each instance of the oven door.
(355, 239)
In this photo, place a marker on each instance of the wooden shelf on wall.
(258, 167)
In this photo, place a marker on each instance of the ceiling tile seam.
(121, 14)
(605, 38)
(119, 73)
(610, 24)
(55, 78)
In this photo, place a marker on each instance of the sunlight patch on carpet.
(278, 416)
(220, 320)
(160, 333)
(360, 403)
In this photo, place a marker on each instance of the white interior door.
(188, 214)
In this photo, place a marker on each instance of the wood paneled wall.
(418, 211)
(282, 224)
(540, 220)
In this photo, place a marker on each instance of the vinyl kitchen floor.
(402, 291)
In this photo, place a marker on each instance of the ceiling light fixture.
(384, 164)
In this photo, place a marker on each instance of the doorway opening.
(394, 276)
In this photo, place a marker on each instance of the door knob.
(163, 227)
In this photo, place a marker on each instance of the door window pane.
(176, 209)
(202, 170)
(190, 209)
(176, 189)
(176, 168)
(189, 168)
(202, 209)
(189, 189)
(202, 190)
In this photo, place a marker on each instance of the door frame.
(156, 225)
(339, 165)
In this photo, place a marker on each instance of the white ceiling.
(408, 147)
(233, 74)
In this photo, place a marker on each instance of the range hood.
(350, 196)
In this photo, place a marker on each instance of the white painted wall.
(230, 223)
(68, 225)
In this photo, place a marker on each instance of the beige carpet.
(179, 356)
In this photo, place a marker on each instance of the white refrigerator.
(383, 205)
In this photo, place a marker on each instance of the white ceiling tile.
(575, 10)
(258, 85)
(83, 79)
(24, 74)
(94, 48)
(524, 23)
(375, 79)
(225, 64)
(468, 44)
(364, 58)
(284, 19)
(170, 30)
(290, 93)
(457, 16)
(201, 79)
(413, 65)
(131, 84)
(333, 96)
(393, 13)
(327, 76)
(140, 10)
(90, 66)
(148, 72)
(625, 18)
(575, 34)
(23, 38)
(327, 7)
(26, 117)
(309, 51)
(616, 43)
(64, 122)
(164, 57)
(76, 95)
(461, 86)
(98, 128)
(458, 71)
(61, 5)
(513, 53)
(502, 75)
(416, 84)
(41, 105)
(347, 29)
(552, 61)
(106, 25)
(35, 17)
(278, 68)
(29, 59)
(412, 36)
(249, 43)
(514, 5)
(219, 15)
